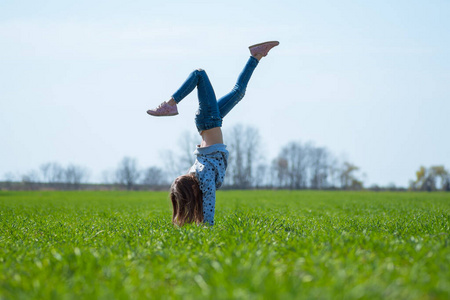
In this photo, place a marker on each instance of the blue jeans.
(211, 112)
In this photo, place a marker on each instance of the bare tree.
(280, 172)
(127, 172)
(52, 173)
(261, 175)
(334, 171)
(45, 171)
(244, 144)
(295, 155)
(170, 163)
(319, 167)
(31, 180)
(186, 145)
(59, 177)
(300, 166)
(108, 176)
(179, 161)
(153, 177)
(74, 176)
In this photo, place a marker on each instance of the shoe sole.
(169, 115)
(277, 43)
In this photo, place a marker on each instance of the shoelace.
(160, 106)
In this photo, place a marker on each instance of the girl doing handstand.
(193, 195)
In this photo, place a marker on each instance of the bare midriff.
(211, 137)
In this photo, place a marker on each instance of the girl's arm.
(209, 202)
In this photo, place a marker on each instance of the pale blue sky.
(366, 79)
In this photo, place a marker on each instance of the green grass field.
(265, 245)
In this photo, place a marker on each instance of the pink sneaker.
(263, 48)
(164, 110)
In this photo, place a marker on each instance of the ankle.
(171, 102)
(258, 56)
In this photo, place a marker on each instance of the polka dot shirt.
(209, 168)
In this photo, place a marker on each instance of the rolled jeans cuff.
(205, 125)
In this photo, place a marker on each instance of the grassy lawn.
(265, 245)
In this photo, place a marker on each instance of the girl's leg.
(210, 112)
(199, 79)
(227, 102)
(207, 116)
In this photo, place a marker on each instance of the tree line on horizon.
(297, 166)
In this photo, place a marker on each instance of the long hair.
(187, 200)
